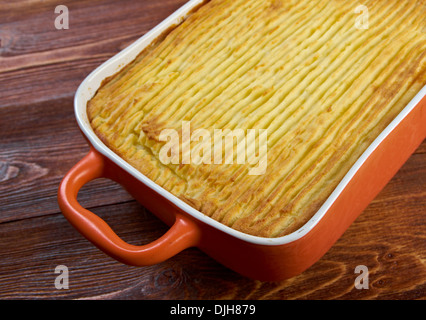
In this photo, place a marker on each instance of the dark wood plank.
(421, 149)
(39, 63)
(388, 238)
(40, 143)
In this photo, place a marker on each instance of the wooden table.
(40, 70)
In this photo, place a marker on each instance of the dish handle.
(182, 234)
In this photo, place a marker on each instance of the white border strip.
(90, 85)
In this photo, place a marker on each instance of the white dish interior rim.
(91, 84)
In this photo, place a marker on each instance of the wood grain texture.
(40, 69)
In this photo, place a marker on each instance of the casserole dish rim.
(88, 88)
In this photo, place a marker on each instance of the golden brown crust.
(322, 87)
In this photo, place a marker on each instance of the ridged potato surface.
(323, 88)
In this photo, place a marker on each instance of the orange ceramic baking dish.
(267, 259)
